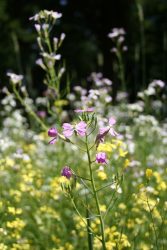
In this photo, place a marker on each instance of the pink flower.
(105, 130)
(69, 129)
(88, 110)
(101, 158)
(52, 132)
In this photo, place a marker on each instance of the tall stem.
(95, 195)
(142, 39)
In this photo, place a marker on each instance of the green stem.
(142, 41)
(121, 67)
(152, 219)
(95, 195)
(27, 107)
(77, 211)
(90, 241)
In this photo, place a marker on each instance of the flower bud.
(52, 132)
(66, 171)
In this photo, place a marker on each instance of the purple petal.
(101, 157)
(113, 132)
(81, 128)
(68, 133)
(67, 126)
(90, 109)
(78, 110)
(53, 141)
(112, 121)
(52, 132)
(84, 110)
(68, 130)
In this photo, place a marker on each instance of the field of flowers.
(77, 171)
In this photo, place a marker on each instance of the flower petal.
(112, 121)
(81, 128)
(67, 130)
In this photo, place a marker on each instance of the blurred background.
(87, 47)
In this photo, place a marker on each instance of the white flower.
(37, 27)
(62, 37)
(107, 81)
(40, 63)
(15, 78)
(45, 14)
(55, 15)
(45, 26)
(158, 83)
(116, 32)
(150, 91)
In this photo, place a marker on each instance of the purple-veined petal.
(67, 130)
(101, 157)
(81, 128)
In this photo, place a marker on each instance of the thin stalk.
(77, 211)
(152, 219)
(82, 177)
(90, 240)
(121, 68)
(142, 41)
(29, 110)
(99, 189)
(95, 195)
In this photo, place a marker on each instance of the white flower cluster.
(46, 14)
(15, 78)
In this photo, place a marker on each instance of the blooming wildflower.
(106, 147)
(102, 175)
(122, 153)
(116, 32)
(52, 132)
(104, 131)
(15, 78)
(149, 173)
(45, 14)
(37, 27)
(40, 63)
(66, 171)
(101, 157)
(84, 110)
(69, 129)
(126, 163)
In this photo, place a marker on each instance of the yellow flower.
(103, 208)
(102, 175)
(149, 173)
(106, 147)
(122, 206)
(16, 224)
(122, 153)
(3, 246)
(126, 163)
(14, 211)
(10, 162)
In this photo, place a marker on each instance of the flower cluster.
(81, 129)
